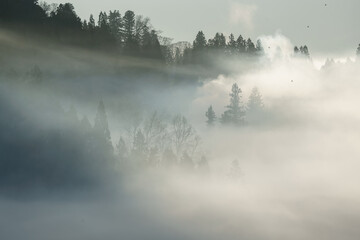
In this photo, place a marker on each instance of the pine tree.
(218, 42)
(177, 58)
(250, 46)
(305, 51)
(259, 47)
(235, 113)
(241, 44)
(103, 20)
(129, 25)
(131, 42)
(139, 151)
(101, 125)
(255, 107)
(255, 103)
(200, 41)
(91, 23)
(115, 24)
(296, 50)
(211, 116)
(122, 150)
(65, 16)
(232, 44)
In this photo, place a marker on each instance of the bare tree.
(184, 135)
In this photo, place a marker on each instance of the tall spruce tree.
(241, 44)
(259, 47)
(232, 44)
(200, 41)
(115, 24)
(250, 46)
(101, 125)
(234, 113)
(255, 103)
(211, 116)
(131, 42)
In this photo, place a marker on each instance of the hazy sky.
(332, 29)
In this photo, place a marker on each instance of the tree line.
(236, 111)
(203, 51)
(156, 141)
(123, 34)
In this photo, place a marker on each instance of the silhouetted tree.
(131, 43)
(235, 113)
(255, 107)
(101, 125)
(122, 150)
(183, 134)
(241, 44)
(178, 56)
(116, 24)
(259, 47)
(296, 50)
(103, 20)
(200, 41)
(27, 11)
(129, 24)
(91, 24)
(211, 116)
(139, 151)
(250, 47)
(65, 17)
(304, 51)
(232, 44)
(218, 42)
(255, 102)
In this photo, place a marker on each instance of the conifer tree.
(232, 44)
(211, 116)
(200, 41)
(259, 47)
(115, 24)
(255, 102)
(250, 46)
(241, 44)
(234, 113)
(101, 125)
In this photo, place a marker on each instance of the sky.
(331, 30)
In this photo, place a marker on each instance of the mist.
(219, 139)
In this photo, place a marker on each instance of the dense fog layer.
(289, 172)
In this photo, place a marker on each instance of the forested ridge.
(118, 33)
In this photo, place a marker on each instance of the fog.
(297, 175)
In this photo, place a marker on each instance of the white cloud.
(242, 14)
